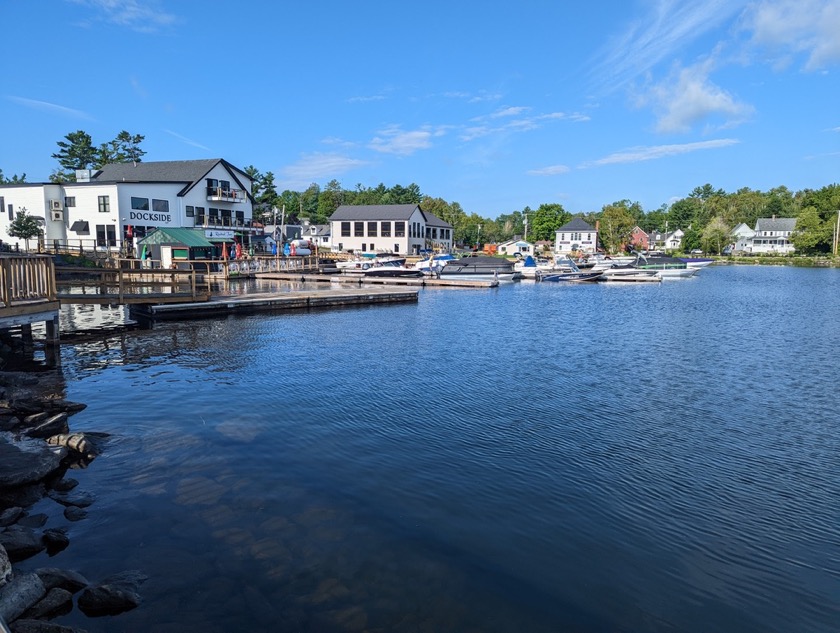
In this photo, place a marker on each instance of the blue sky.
(496, 106)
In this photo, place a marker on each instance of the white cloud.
(551, 170)
(46, 106)
(145, 16)
(786, 28)
(687, 97)
(670, 26)
(517, 125)
(314, 167)
(365, 99)
(639, 154)
(187, 140)
(393, 140)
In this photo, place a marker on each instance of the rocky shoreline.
(37, 449)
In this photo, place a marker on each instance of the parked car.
(728, 250)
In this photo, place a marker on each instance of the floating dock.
(359, 279)
(297, 300)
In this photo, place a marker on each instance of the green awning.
(183, 237)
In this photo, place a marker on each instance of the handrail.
(26, 278)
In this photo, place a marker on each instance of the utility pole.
(836, 234)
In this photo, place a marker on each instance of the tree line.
(706, 215)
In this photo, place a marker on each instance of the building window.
(3, 206)
(161, 206)
(140, 204)
(190, 211)
(70, 201)
(371, 229)
(225, 185)
(397, 246)
(386, 229)
(345, 229)
(104, 204)
(106, 235)
(358, 229)
(11, 213)
(364, 246)
(399, 229)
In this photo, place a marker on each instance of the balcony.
(212, 222)
(217, 194)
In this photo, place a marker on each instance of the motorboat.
(666, 267)
(567, 270)
(530, 268)
(392, 268)
(366, 262)
(479, 268)
(628, 274)
(433, 264)
(697, 262)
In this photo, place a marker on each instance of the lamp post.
(478, 237)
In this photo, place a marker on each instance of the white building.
(772, 236)
(512, 247)
(388, 228)
(108, 209)
(576, 237)
(743, 236)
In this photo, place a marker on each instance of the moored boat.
(479, 267)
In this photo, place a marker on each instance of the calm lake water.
(538, 457)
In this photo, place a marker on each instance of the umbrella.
(224, 250)
(238, 250)
(274, 248)
(144, 254)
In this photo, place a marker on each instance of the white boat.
(665, 267)
(433, 264)
(480, 268)
(531, 268)
(697, 262)
(365, 262)
(629, 274)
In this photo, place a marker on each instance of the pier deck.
(298, 300)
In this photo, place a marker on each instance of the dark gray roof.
(576, 224)
(775, 224)
(188, 172)
(385, 212)
(374, 212)
(161, 171)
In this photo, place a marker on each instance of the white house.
(388, 228)
(576, 236)
(772, 235)
(515, 246)
(666, 241)
(109, 208)
(743, 236)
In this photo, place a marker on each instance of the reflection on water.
(534, 457)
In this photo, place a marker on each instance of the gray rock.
(19, 595)
(33, 520)
(35, 418)
(39, 626)
(20, 542)
(52, 577)
(56, 540)
(72, 513)
(65, 485)
(5, 567)
(10, 515)
(57, 602)
(80, 500)
(25, 461)
(54, 425)
(115, 594)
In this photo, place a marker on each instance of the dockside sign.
(219, 234)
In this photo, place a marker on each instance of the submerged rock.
(115, 594)
(25, 461)
(19, 595)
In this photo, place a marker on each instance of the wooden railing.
(26, 279)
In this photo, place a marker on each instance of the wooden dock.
(299, 300)
(358, 279)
